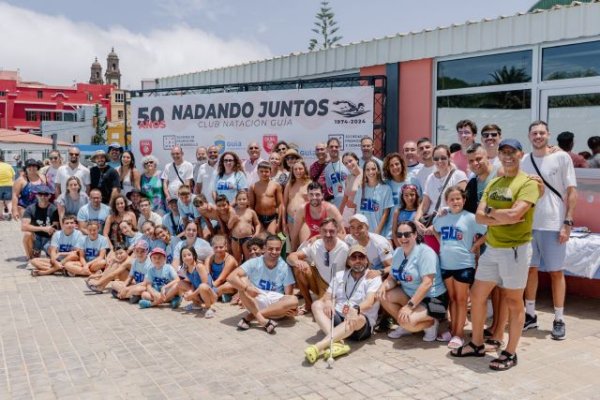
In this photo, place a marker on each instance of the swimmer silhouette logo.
(349, 109)
(269, 142)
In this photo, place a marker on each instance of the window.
(70, 117)
(577, 113)
(30, 116)
(120, 114)
(495, 69)
(2, 93)
(40, 94)
(58, 116)
(45, 116)
(579, 60)
(90, 96)
(119, 97)
(509, 109)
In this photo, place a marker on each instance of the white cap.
(360, 218)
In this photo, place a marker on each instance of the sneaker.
(530, 322)
(134, 299)
(145, 303)
(444, 337)
(398, 333)
(558, 330)
(384, 324)
(431, 332)
(209, 313)
(175, 302)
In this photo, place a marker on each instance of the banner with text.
(231, 121)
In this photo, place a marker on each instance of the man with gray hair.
(177, 173)
(250, 165)
(206, 174)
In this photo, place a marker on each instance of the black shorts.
(465, 275)
(437, 306)
(362, 334)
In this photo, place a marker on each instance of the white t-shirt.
(423, 174)
(186, 171)
(206, 176)
(316, 253)
(251, 170)
(378, 249)
(413, 170)
(352, 293)
(434, 185)
(154, 217)
(65, 172)
(558, 171)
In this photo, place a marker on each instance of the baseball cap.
(115, 145)
(32, 162)
(514, 143)
(158, 250)
(357, 248)
(141, 244)
(360, 218)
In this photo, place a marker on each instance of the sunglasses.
(253, 148)
(149, 163)
(403, 234)
(358, 256)
(406, 188)
(488, 134)
(228, 160)
(74, 154)
(282, 149)
(53, 158)
(443, 158)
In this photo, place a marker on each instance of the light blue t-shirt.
(187, 210)
(421, 261)
(274, 280)
(131, 240)
(457, 232)
(372, 202)
(88, 214)
(396, 188)
(230, 184)
(139, 269)
(168, 248)
(335, 180)
(161, 276)
(92, 248)
(65, 243)
(176, 228)
(361, 162)
(203, 249)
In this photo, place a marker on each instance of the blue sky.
(56, 41)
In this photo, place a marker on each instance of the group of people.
(368, 243)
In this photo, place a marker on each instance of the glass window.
(69, 117)
(2, 93)
(120, 114)
(577, 113)
(511, 110)
(45, 116)
(30, 116)
(40, 94)
(495, 69)
(58, 116)
(579, 60)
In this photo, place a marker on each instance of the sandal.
(492, 345)
(339, 349)
(455, 343)
(270, 326)
(94, 288)
(243, 325)
(504, 362)
(476, 351)
(312, 354)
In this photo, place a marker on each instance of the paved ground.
(59, 341)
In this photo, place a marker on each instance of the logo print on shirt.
(451, 233)
(369, 205)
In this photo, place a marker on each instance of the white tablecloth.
(583, 255)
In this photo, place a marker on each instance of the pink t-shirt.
(460, 160)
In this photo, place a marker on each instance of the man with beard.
(201, 158)
(366, 146)
(379, 250)
(354, 308)
(425, 153)
(95, 210)
(177, 173)
(491, 135)
(484, 172)
(308, 218)
(206, 174)
(335, 172)
(72, 168)
(313, 263)
(114, 154)
(552, 222)
(317, 169)
(104, 177)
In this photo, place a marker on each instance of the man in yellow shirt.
(7, 176)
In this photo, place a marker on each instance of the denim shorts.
(5, 193)
(463, 275)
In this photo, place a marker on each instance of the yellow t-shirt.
(7, 174)
(502, 193)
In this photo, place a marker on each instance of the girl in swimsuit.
(22, 193)
(295, 195)
(118, 206)
(353, 183)
(219, 266)
(196, 285)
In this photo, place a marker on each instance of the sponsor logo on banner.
(146, 147)
(169, 141)
(340, 139)
(349, 109)
(269, 142)
(220, 143)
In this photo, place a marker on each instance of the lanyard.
(353, 289)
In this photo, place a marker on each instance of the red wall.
(415, 100)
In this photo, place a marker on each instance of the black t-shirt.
(105, 180)
(42, 216)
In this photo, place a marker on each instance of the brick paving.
(57, 340)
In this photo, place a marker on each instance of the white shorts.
(266, 298)
(507, 267)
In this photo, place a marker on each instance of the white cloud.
(56, 50)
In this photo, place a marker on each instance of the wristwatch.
(488, 210)
(357, 308)
(568, 222)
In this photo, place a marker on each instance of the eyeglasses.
(488, 134)
(442, 158)
(149, 163)
(282, 149)
(403, 234)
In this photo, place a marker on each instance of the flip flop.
(312, 354)
(94, 288)
(339, 349)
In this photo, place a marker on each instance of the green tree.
(100, 125)
(326, 28)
